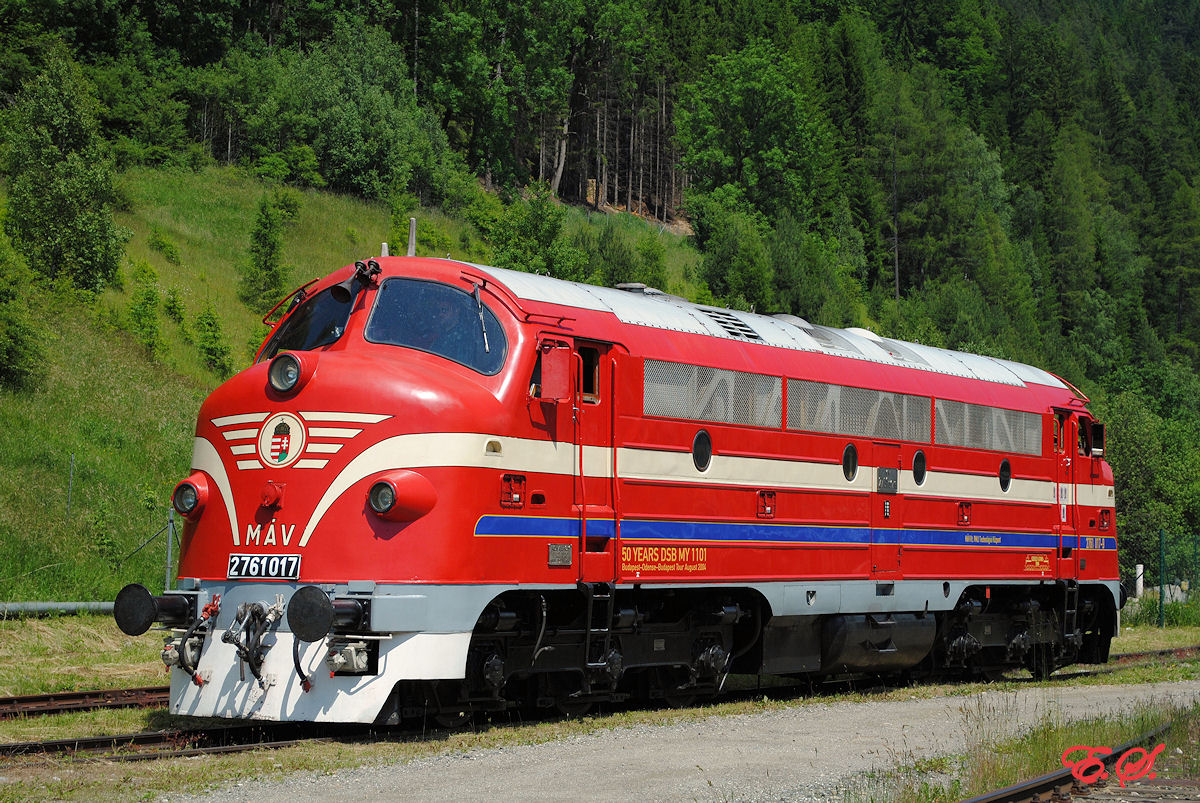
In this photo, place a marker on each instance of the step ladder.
(598, 621)
(1071, 638)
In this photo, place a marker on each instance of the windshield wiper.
(482, 326)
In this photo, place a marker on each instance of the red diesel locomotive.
(445, 488)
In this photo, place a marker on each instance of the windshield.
(441, 320)
(319, 321)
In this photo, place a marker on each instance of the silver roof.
(661, 311)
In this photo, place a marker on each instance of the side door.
(592, 408)
(1069, 465)
(887, 521)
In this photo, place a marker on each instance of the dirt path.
(801, 754)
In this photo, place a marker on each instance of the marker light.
(284, 372)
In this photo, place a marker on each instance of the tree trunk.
(601, 165)
(895, 220)
(629, 165)
(616, 166)
(560, 155)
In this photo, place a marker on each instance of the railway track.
(158, 744)
(59, 702)
(273, 735)
(1092, 778)
(152, 696)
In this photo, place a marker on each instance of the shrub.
(159, 242)
(264, 276)
(22, 360)
(143, 307)
(210, 340)
(173, 306)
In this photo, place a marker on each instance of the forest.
(1008, 177)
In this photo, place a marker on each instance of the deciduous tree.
(61, 192)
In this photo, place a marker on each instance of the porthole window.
(919, 468)
(1005, 475)
(702, 450)
(850, 462)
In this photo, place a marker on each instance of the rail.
(1061, 784)
(58, 702)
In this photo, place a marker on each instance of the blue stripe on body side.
(541, 527)
(734, 533)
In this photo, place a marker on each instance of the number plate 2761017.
(265, 567)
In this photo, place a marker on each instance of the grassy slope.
(209, 217)
(128, 419)
(128, 424)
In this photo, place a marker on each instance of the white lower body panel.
(342, 698)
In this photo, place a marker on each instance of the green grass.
(127, 423)
(74, 653)
(208, 217)
(991, 763)
(681, 259)
(1144, 611)
(1143, 638)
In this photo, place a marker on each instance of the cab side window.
(589, 374)
(1085, 437)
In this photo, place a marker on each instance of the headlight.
(401, 495)
(186, 498)
(382, 497)
(284, 372)
(190, 496)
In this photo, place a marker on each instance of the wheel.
(572, 708)
(669, 680)
(566, 690)
(452, 720)
(1040, 662)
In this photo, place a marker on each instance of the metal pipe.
(17, 609)
(412, 236)
(170, 538)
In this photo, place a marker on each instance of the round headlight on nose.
(382, 497)
(284, 372)
(401, 495)
(190, 496)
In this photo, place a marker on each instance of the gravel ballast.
(806, 753)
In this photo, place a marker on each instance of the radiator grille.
(698, 393)
(979, 427)
(846, 410)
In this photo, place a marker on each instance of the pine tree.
(210, 341)
(263, 278)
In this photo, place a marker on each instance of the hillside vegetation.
(1012, 178)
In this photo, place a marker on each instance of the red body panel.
(366, 409)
